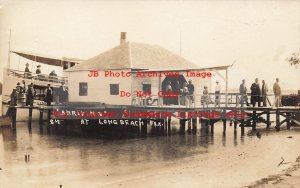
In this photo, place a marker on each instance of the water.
(71, 161)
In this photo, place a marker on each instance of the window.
(146, 87)
(65, 65)
(83, 88)
(114, 89)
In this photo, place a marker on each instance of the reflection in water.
(54, 150)
(235, 138)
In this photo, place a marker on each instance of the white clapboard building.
(134, 58)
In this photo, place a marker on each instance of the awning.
(222, 67)
(46, 60)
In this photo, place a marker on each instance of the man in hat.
(53, 76)
(48, 97)
(243, 93)
(205, 97)
(30, 95)
(217, 93)
(63, 93)
(27, 73)
(19, 88)
(26, 68)
(191, 89)
(168, 89)
(39, 72)
(277, 93)
(255, 93)
(264, 92)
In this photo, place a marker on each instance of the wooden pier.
(188, 116)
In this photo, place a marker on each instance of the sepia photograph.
(140, 93)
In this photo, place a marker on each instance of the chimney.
(123, 37)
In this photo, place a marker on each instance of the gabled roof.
(130, 55)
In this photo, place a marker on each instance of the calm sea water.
(57, 159)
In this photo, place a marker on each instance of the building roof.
(137, 56)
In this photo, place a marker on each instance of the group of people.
(185, 92)
(259, 94)
(30, 94)
(205, 99)
(40, 76)
(17, 92)
(21, 89)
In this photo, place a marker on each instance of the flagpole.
(8, 59)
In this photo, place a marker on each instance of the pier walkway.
(238, 116)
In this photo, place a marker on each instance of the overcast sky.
(257, 35)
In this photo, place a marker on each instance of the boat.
(13, 76)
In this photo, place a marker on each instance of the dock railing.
(38, 77)
(197, 101)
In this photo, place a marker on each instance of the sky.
(257, 36)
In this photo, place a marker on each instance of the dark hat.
(18, 83)
(27, 64)
(48, 84)
(38, 66)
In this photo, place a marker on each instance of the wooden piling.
(41, 117)
(207, 126)
(166, 124)
(14, 117)
(235, 120)
(169, 124)
(268, 119)
(288, 124)
(224, 121)
(242, 123)
(212, 126)
(277, 126)
(49, 115)
(144, 127)
(30, 116)
(189, 125)
(182, 125)
(254, 121)
(194, 125)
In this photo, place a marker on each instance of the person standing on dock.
(205, 97)
(255, 93)
(19, 88)
(30, 95)
(24, 86)
(191, 89)
(277, 93)
(184, 93)
(177, 90)
(63, 93)
(264, 92)
(48, 97)
(168, 89)
(243, 93)
(217, 93)
(13, 102)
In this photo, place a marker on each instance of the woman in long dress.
(204, 98)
